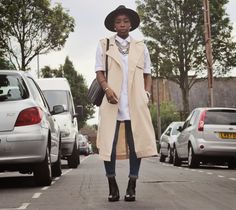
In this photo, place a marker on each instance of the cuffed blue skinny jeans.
(134, 162)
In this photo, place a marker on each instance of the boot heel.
(114, 194)
(130, 191)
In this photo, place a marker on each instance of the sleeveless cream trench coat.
(142, 128)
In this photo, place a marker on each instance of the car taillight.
(29, 116)
(201, 121)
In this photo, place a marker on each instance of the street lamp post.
(207, 26)
(158, 112)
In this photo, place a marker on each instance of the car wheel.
(170, 155)
(232, 164)
(43, 171)
(162, 157)
(176, 159)
(56, 167)
(193, 161)
(74, 158)
(87, 153)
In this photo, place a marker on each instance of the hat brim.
(110, 19)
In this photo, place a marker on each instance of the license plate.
(227, 135)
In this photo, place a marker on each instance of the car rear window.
(220, 117)
(12, 88)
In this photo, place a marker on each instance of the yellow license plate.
(227, 135)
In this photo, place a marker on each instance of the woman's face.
(122, 25)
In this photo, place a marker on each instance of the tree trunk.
(185, 98)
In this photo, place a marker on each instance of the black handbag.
(95, 91)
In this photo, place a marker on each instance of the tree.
(5, 64)
(175, 37)
(29, 28)
(79, 90)
(78, 86)
(47, 72)
(168, 114)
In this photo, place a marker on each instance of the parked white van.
(57, 92)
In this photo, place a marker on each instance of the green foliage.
(78, 86)
(175, 37)
(29, 28)
(168, 114)
(47, 72)
(4, 63)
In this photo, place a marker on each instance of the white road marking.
(45, 188)
(200, 171)
(24, 206)
(85, 158)
(67, 171)
(36, 195)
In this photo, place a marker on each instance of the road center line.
(36, 195)
(24, 206)
(67, 171)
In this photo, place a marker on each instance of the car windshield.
(220, 117)
(56, 97)
(12, 88)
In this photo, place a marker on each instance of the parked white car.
(83, 145)
(167, 141)
(207, 136)
(57, 91)
(29, 135)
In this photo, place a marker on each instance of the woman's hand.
(111, 96)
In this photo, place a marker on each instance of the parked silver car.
(29, 135)
(207, 136)
(167, 140)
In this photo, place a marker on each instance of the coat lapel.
(113, 51)
(134, 54)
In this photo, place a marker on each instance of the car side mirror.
(57, 109)
(180, 128)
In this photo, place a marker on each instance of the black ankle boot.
(113, 190)
(130, 191)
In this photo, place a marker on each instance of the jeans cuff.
(110, 175)
(133, 176)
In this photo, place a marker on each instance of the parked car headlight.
(65, 134)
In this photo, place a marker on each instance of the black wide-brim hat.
(133, 16)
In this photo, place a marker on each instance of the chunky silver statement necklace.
(123, 49)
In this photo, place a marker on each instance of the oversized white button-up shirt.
(123, 109)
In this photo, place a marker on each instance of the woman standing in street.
(124, 117)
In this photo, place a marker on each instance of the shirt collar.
(122, 41)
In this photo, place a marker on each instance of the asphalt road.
(160, 186)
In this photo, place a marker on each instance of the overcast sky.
(89, 18)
